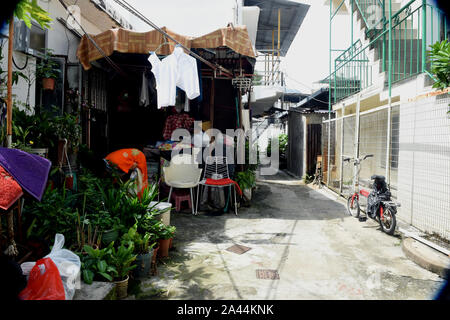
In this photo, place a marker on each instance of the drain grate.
(238, 249)
(267, 274)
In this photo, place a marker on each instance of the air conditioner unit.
(28, 40)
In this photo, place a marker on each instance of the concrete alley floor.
(305, 234)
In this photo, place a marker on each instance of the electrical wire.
(108, 59)
(20, 68)
(318, 100)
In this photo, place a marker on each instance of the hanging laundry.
(187, 73)
(176, 121)
(176, 70)
(165, 72)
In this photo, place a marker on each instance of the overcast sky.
(307, 59)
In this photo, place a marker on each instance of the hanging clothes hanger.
(164, 43)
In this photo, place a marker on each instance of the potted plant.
(122, 260)
(143, 248)
(48, 70)
(247, 181)
(165, 235)
(109, 225)
(66, 127)
(95, 264)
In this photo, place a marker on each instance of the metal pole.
(278, 42)
(357, 120)
(424, 33)
(9, 84)
(329, 101)
(388, 133)
(341, 174)
(273, 49)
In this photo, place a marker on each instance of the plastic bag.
(68, 264)
(44, 282)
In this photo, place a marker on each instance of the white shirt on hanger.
(165, 72)
(187, 73)
(176, 70)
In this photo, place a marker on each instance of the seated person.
(131, 164)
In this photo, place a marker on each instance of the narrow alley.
(304, 234)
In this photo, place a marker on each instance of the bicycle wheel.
(388, 222)
(353, 206)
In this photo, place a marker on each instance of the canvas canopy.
(127, 41)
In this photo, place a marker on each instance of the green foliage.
(28, 10)
(54, 214)
(47, 67)
(282, 145)
(439, 56)
(162, 231)
(96, 264)
(142, 243)
(66, 126)
(246, 179)
(307, 178)
(32, 131)
(121, 259)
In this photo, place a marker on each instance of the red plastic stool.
(181, 195)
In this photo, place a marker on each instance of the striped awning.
(127, 41)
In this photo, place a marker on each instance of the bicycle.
(385, 209)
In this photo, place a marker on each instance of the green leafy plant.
(66, 126)
(142, 243)
(55, 213)
(28, 10)
(162, 231)
(47, 67)
(282, 145)
(439, 56)
(246, 179)
(96, 264)
(121, 259)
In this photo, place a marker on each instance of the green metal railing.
(400, 49)
(373, 14)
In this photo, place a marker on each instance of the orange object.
(128, 159)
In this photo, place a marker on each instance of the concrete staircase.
(406, 46)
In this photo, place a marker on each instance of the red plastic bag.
(44, 282)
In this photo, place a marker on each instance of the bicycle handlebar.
(360, 159)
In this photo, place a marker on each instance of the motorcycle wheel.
(389, 221)
(353, 209)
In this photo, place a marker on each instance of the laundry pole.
(9, 84)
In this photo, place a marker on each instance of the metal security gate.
(415, 160)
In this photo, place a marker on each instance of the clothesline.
(133, 11)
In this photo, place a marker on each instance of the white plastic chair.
(182, 173)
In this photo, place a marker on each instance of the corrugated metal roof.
(292, 15)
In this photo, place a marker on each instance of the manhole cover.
(267, 274)
(238, 249)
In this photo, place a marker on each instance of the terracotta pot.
(122, 288)
(48, 84)
(163, 248)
